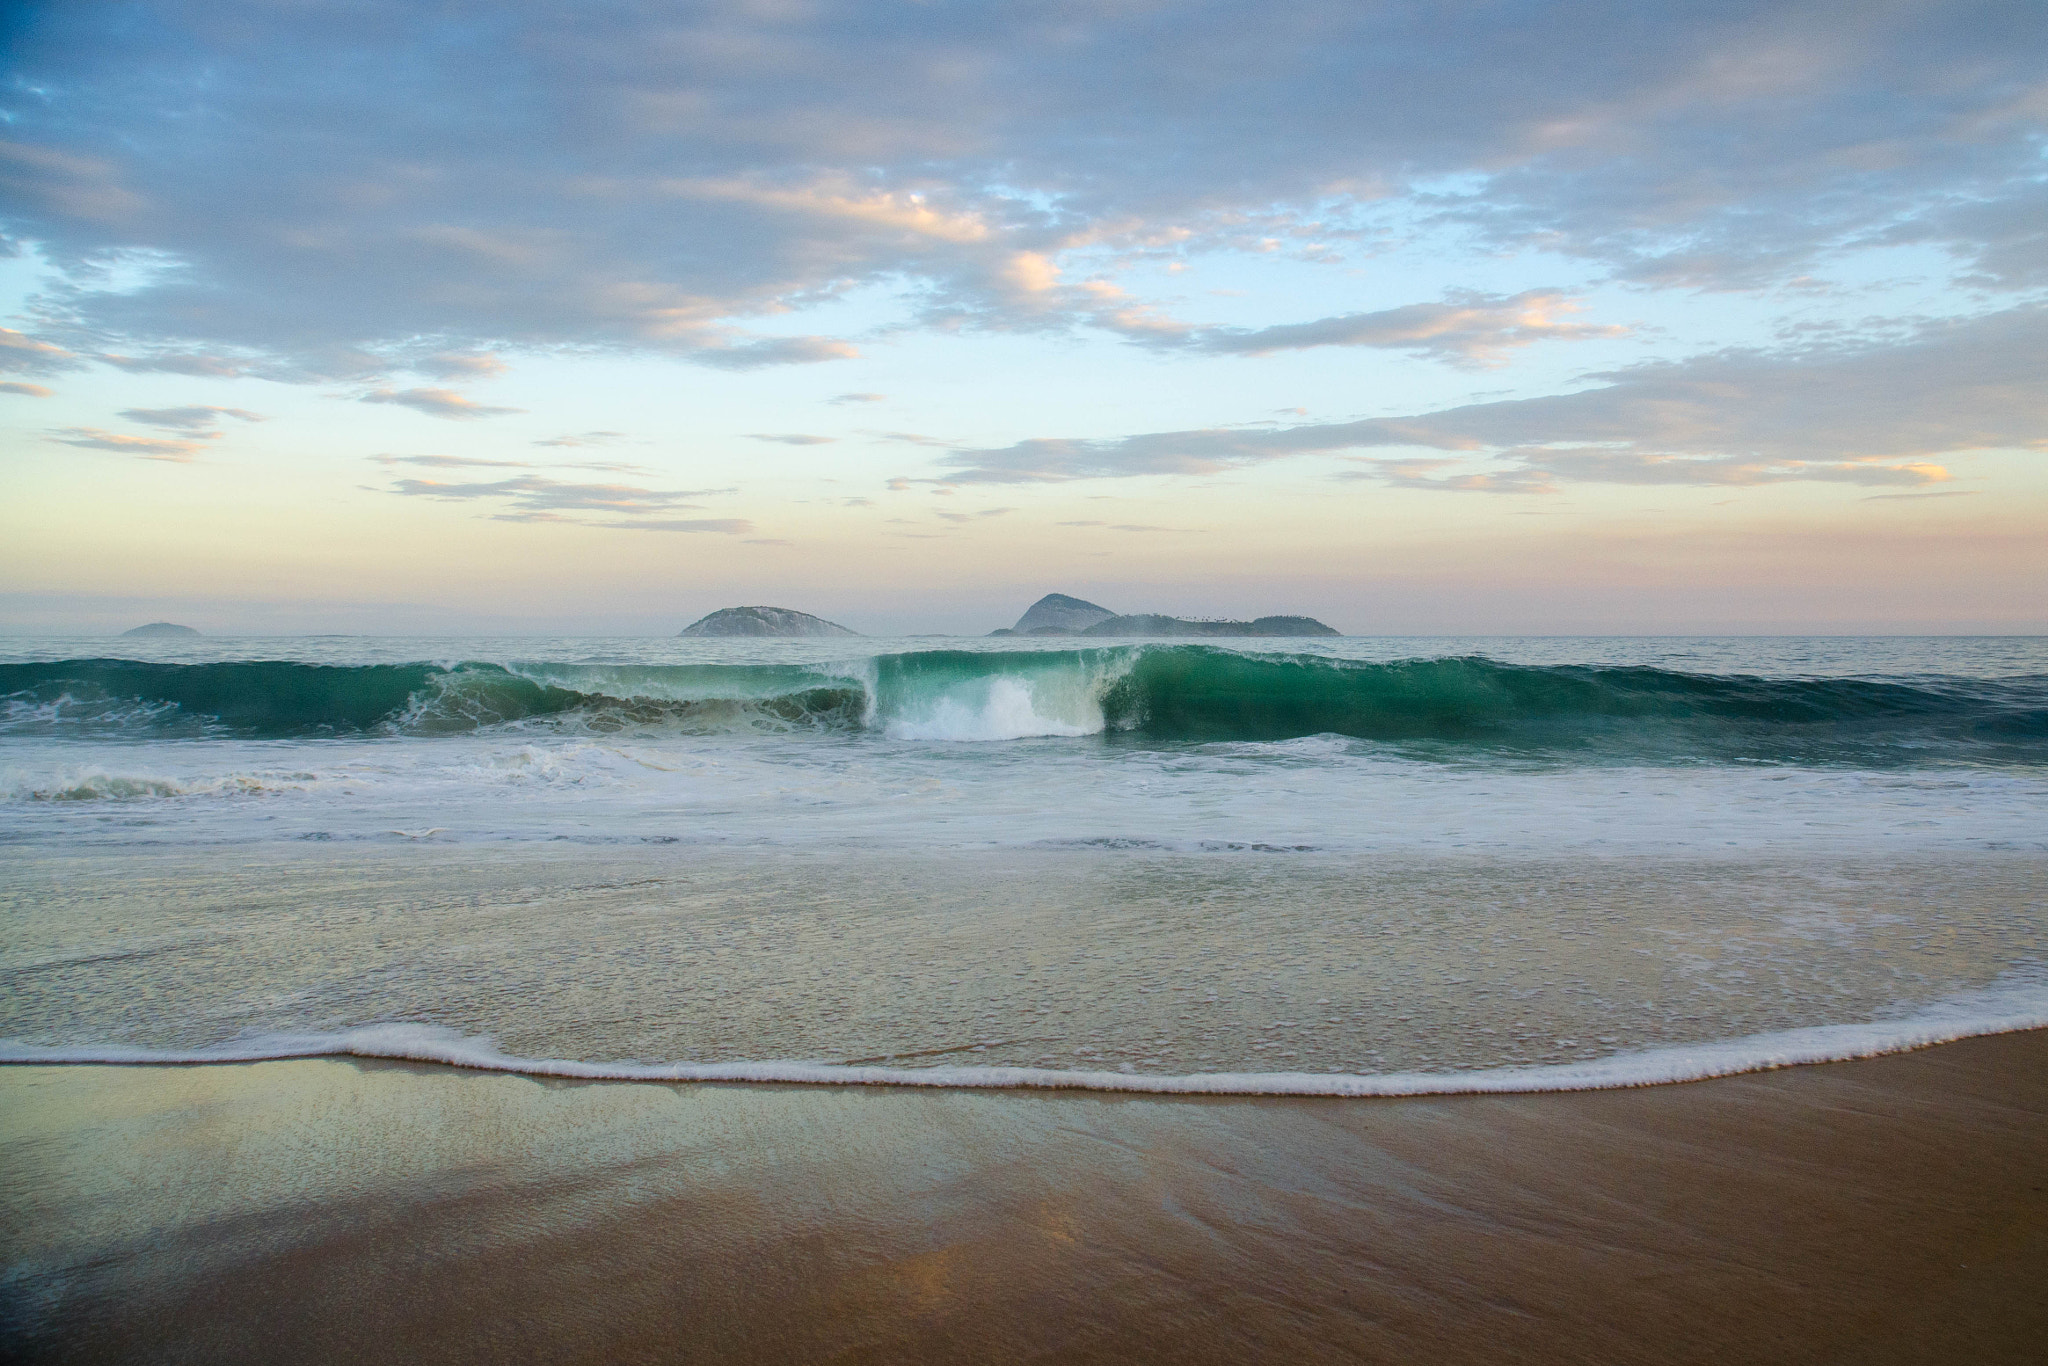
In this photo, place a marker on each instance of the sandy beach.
(1891, 1209)
(813, 681)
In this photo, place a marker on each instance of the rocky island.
(160, 628)
(1056, 614)
(763, 621)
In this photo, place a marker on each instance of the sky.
(1473, 318)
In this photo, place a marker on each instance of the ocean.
(1334, 866)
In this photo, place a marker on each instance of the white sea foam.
(876, 790)
(1058, 694)
(94, 784)
(2019, 1003)
(999, 709)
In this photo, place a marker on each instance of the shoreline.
(1887, 1209)
(2013, 1008)
(1102, 964)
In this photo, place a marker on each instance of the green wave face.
(274, 699)
(1160, 694)
(263, 698)
(605, 700)
(1190, 693)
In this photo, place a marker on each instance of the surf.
(2004, 1008)
(1153, 693)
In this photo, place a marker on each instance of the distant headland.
(762, 621)
(1056, 614)
(160, 628)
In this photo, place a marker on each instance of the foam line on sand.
(2016, 1003)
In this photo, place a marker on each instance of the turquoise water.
(1144, 857)
(1901, 706)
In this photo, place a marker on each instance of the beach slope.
(1886, 1210)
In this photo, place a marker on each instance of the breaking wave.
(1158, 693)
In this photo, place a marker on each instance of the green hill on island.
(763, 621)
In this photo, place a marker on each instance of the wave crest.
(1178, 693)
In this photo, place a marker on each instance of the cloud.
(450, 365)
(1465, 328)
(187, 419)
(451, 462)
(1123, 526)
(858, 398)
(79, 187)
(773, 351)
(1543, 469)
(1850, 414)
(598, 438)
(721, 526)
(437, 403)
(1436, 474)
(916, 439)
(791, 438)
(664, 175)
(536, 498)
(1059, 459)
(30, 390)
(532, 493)
(172, 363)
(23, 355)
(148, 447)
(1600, 466)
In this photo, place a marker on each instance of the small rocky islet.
(763, 621)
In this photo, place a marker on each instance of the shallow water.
(1510, 855)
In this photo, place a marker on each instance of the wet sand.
(1888, 1210)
